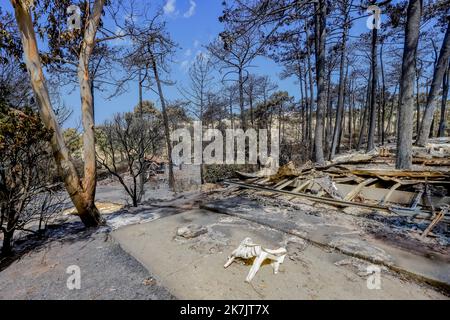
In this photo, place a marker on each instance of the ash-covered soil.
(39, 271)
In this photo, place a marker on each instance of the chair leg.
(256, 265)
(276, 263)
(230, 261)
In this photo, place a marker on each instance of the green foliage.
(148, 109)
(10, 46)
(19, 131)
(25, 172)
(73, 141)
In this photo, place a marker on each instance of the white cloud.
(196, 43)
(131, 18)
(121, 39)
(169, 8)
(204, 55)
(188, 52)
(184, 65)
(191, 10)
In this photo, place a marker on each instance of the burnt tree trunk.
(363, 122)
(405, 111)
(350, 117)
(373, 93)
(383, 101)
(141, 144)
(8, 233)
(321, 91)
(340, 105)
(443, 120)
(241, 100)
(438, 76)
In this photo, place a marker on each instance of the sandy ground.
(107, 272)
(198, 273)
(38, 271)
(171, 266)
(395, 245)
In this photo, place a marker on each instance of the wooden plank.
(280, 183)
(423, 214)
(433, 223)
(417, 198)
(415, 181)
(399, 173)
(264, 180)
(389, 194)
(302, 186)
(352, 194)
(280, 187)
(311, 197)
(255, 180)
(246, 175)
(377, 194)
(346, 179)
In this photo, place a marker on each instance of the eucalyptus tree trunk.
(87, 104)
(166, 122)
(405, 111)
(141, 144)
(438, 76)
(81, 194)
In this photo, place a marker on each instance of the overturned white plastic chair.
(248, 250)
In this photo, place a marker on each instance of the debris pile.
(369, 181)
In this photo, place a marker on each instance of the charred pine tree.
(405, 113)
(373, 92)
(321, 90)
(438, 76)
(443, 119)
(342, 65)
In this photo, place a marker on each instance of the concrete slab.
(193, 268)
(343, 233)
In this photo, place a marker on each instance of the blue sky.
(192, 24)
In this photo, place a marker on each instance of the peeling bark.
(84, 202)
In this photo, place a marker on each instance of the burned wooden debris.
(368, 181)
